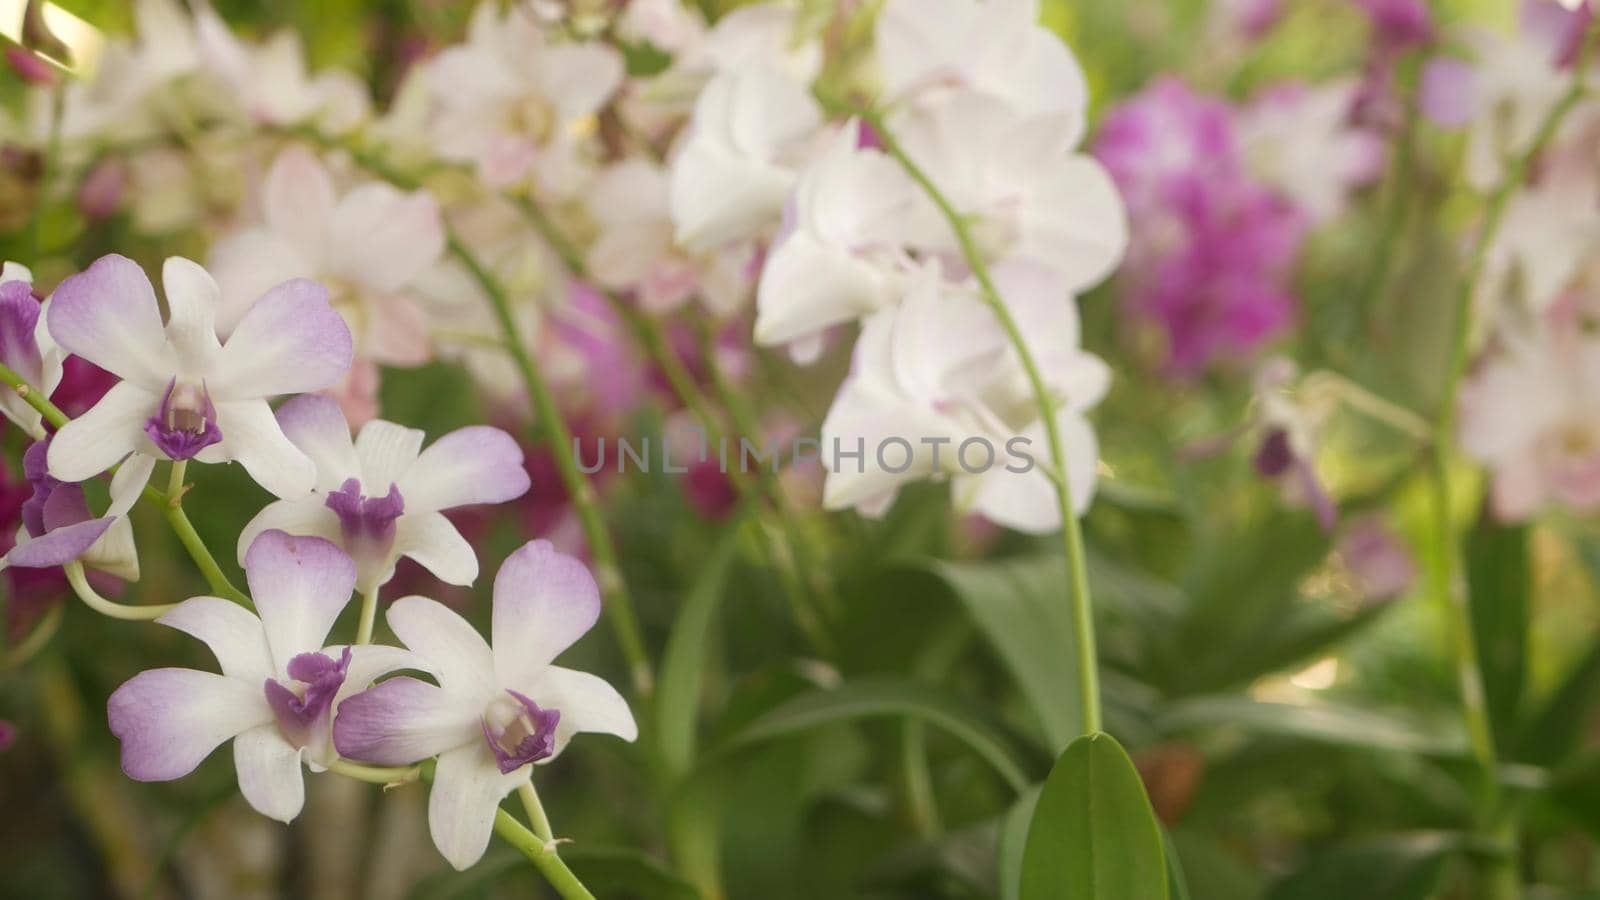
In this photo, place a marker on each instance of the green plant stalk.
(648, 334)
(92, 599)
(1071, 532)
(1503, 881)
(619, 605)
(543, 857)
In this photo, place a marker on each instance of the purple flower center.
(186, 423)
(367, 523)
(519, 731)
(304, 704)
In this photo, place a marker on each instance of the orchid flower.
(279, 688)
(25, 348)
(495, 710)
(382, 496)
(1299, 139)
(368, 246)
(936, 372)
(184, 393)
(750, 135)
(514, 104)
(58, 528)
(1529, 413)
(930, 48)
(269, 82)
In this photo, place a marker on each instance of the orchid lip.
(186, 423)
(299, 708)
(366, 522)
(523, 732)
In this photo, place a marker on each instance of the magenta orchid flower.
(279, 686)
(185, 394)
(495, 710)
(382, 496)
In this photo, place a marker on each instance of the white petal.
(192, 301)
(447, 643)
(587, 704)
(247, 265)
(114, 553)
(298, 199)
(316, 425)
(307, 516)
(129, 481)
(101, 437)
(436, 544)
(233, 633)
(170, 719)
(477, 464)
(290, 342)
(467, 790)
(300, 585)
(108, 315)
(251, 436)
(384, 238)
(386, 451)
(269, 773)
(543, 602)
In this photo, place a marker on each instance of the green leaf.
(1013, 840)
(1094, 835)
(620, 872)
(683, 663)
(1021, 606)
(887, 697)
(1393, 867)
(1323, 723)
(1554, 733)
(1498, 584)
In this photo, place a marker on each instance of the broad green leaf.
(1391, 867)
(1498, 583)
(682, 665)
(886, 697)
(1094, 835)
(1022, 608)
(1554, 732)
(1013, 839)
(1324, 723)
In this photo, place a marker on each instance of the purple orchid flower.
(58, 528)
(279, 687)
(495, 711)
(382, 496)
(184, 393)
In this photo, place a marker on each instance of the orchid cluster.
(348, 510)
(808, 301)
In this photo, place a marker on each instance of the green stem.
(92, 599)
(384, 775)
(535, 809)
(1071, 532)
(619, 606)
(192, 542)
(369, 615)
(34, 397)
(542, 855)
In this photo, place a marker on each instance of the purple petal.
(478, 464)
(300, 716)
(290, 342)
(60, 546)
(108, 315)
(544, 601)
(367, 524)
(300, 585)
(403, 720)
(1448, 92)
(19, 316)
(529, 736)
(170, 719)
